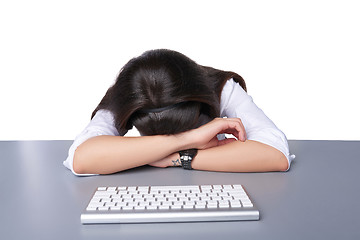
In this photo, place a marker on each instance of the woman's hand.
(205, 136)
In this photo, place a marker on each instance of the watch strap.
(186, 157)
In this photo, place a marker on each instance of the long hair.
(165, 92)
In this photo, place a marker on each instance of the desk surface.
(317, 199)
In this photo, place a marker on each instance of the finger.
(241, 133)
(234, 128)
(243, 130)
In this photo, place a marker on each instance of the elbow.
(86, 162)
(282, 163)
(283, 167)
(79, 166)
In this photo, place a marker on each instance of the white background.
(300, 59)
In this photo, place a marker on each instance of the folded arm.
(109, 154)
(236, 156)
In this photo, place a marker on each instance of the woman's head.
(162, 92)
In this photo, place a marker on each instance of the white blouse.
(235, 102)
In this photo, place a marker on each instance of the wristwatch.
(186, 156)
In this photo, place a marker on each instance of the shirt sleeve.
(235, 102)
(101, 124)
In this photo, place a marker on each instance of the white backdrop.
(300, 59)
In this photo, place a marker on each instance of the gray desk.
(317, 199)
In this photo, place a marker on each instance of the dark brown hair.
(164, 78)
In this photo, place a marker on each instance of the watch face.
(186, 162)
(186, 157)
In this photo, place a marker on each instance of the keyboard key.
(106, 199)
(155, 203)
(151, 207)
(127, 208)
(103, 208)
(224, 205)
(139, 207)
(178, 203)
(166, 203)
(109, 204)
(212, 202)
(216, 198)
(188, 207)
(161, 199)
(200, 206)
(172, 199)
(121, 204)
(95, 205)
(120, 192)
(212, 206)
(115, 208)
(246, 200)
(235, 203)
(143, 189)
(192, 203)
(132, 204)
(200, 202)
(247, 205)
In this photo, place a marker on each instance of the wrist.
(186, 140)
(175, 160)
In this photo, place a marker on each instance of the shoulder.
(103, 115)
(231, 86)
(233, 94)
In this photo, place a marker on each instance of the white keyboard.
(190, 203)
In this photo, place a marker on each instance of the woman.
(178, 107)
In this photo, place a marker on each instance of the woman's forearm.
(237, 156)
(109, 154)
